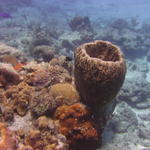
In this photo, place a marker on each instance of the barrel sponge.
(99, 72)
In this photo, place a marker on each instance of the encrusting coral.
(19, 97)
(99, 73)
(76, 124)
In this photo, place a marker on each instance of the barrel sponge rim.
(85, 61)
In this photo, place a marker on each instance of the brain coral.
(99, 72)
(66, 92)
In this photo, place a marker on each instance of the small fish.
(5, 15)
(68, 58)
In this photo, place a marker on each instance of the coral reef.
(37, 29)
(46, 136)
(65, 92)
(6, 50)
(8, 75)
(43, 103)
(8, 141)
(47, 75)
(77, 126)
(120, 24)
(79, 23)
(25, 147)
(43, 53)
(99, 73)
(19, 97)
(63, 61)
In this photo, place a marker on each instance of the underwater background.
(42, 30)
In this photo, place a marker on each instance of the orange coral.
(7, 141)
(76, 125)
(18, 66)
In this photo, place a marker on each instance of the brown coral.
(8, 75)
(7, 141)
(63, 61)
(76, 125)
(66, 92)
(43, 51)
(99, 72)
(43, 103)
(11, 51)
(19, 97)
(45, 141)
(47, 75)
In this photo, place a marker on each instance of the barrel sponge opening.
(102, 50)
(99, 72)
